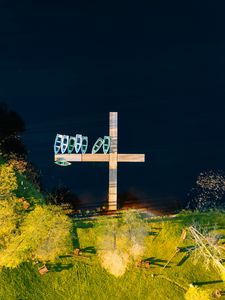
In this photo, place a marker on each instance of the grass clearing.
(82, 276)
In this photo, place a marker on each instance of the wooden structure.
(113, 157)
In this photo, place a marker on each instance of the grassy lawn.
(83, 277)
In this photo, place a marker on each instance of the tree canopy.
(11, 127)
(29, 230)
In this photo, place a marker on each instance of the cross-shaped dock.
(113, 157)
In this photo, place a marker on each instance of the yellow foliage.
(8, 181)
(44, 235)
(114, 262)
(222, 275)
(194, 293)
(29, 231)
(18, 165)
(8, 222)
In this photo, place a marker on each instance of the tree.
(11, 127)
(209, 191)
(8, 222)
(122, 242)
(45, 233)
(8, 181)
(29, 231)
(63, 196)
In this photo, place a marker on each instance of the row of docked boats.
(79, 144)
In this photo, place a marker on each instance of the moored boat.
(106, 144)
(62, 162)
(84, 144)
(78, 142)
(98, 144)
(71, 145)
(64, 143)
(57, 144)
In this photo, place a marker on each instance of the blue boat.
(98, 144)
(64, 143)
(84, 144)
(78, 143)
(106, 144)
(57, 144)
(62, 162)
(71, 145)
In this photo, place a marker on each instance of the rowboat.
(57, 144)
(62, 162)
(71, 145)
(78, 142)
(84, 144)
(64, 143)
(106, 144)
(98, 144)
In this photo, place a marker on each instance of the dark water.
(64, 66)
(177, 147)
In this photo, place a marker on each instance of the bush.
(194, 293)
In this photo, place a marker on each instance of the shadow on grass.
(200, 283)
(183, 260)
(90, 249)
(79, 223)
(75, 238)
(83, 224)
(160, 219)
(211, 227)
(156, 262)
(65, 256)
(187, 250)
(58, 267)
(203, 218)
(152, 233)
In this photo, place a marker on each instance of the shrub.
(194, 293)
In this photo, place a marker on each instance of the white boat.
(78, 143)
(106, 144)
(62, 162)
(71, 145)
(84, 144)
(98, 144)
(57, 144)
(64, 143)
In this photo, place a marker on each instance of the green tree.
(29, 230)
(45, 233)
(8, 180)
(8, 222)
(11, 127)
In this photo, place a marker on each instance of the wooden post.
(113, 133)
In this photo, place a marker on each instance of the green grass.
(82, 277)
